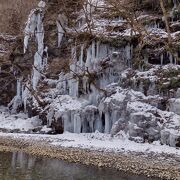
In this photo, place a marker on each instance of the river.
(21, 166)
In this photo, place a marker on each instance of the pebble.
(130, 163)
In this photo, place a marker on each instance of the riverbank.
(162, 165)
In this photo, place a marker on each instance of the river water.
(21, 166)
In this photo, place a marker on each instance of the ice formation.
(16, 102)
(34, 30)
(96, 93)
(61, 22)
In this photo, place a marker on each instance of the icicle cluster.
(34, 30)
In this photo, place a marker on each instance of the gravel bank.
(151, 165)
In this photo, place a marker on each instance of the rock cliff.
(100, 65)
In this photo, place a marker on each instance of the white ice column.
(77, 123)
(61, 23)
(30, 28)
(93, 54)
(175, 3)
(128, 54)
(36, 70)
(103, 51)
(81, 58)
(73, 87)
(19, 85)
(170, 58)
(40, 33)
(98, 125)
(107, 122)
(97, 50)
(73, 65)
(88, 59)
(162, 59)
(25, 95)
(67, 122)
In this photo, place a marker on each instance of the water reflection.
(20, 166)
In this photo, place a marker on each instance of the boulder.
(174, 105)
(118, 126)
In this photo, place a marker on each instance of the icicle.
(30, 28)
(103, 51)
(81, 57)
(75, 88)
(77, 123)
(93, 51)
(107, 122)
(36, 70)
(93, 95)
(85, 84)
(91, 124)
(74, 59)
(66, 121)
(158, 25)
(18, 91)
(25, 95)
(175, 58)
(89, 57)
(132, 48)
(175, 3)
(50, 116)
(98, 125)
(162, 57)
(94, 55)
(97, 49)
(61, 25)
(171, 58)
(40, 34)
(62, 84)
(128, 54)
(35, 27)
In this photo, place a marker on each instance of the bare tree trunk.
(166, 21)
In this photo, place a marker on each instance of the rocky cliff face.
(89, 66)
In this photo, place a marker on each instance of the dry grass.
(13, 14)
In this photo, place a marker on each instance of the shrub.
(13, 14)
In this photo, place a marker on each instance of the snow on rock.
(129, 111)
(16, 103)
(19, 122)
(174, 105)
(42, 4)
(45, 130)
